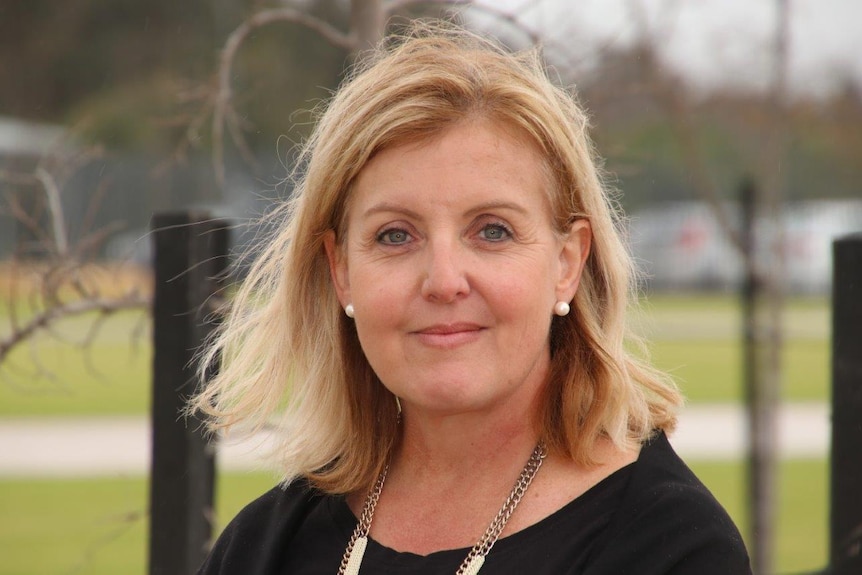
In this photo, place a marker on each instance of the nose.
(446, 274)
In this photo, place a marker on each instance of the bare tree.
(367, 27)
(53, 276)
(763, 391)
(58, 267)
(763, 305)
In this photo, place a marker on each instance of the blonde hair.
(286, 349)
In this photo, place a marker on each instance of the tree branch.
(673, 98)
(20, 214)
(55, 207)
(682, 124)
(223, 112)
(46, 319)
(509, 17)
(19, 178)
(394, 6)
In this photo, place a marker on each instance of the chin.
(452, 401)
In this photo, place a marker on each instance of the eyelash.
(497, 225)
(382, 236)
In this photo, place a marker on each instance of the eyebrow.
(384, 207)
(497, 206)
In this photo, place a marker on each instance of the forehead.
(471, 161)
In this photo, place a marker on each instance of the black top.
(652, 517)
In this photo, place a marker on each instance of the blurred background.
(732, 132)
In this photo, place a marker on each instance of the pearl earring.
(561, 308)
(348, 310)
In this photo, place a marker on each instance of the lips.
(449, 328)
(449, 335)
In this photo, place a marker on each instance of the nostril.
(446, 272)
(445, 285)
(444, 290)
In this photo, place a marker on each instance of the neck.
(450, 448)
(461, 473)
(466, 439)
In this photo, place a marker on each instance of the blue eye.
(495, 232)
(393, 237)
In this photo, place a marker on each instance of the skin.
(453, 267)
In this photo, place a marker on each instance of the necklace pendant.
(356, 554)
(474, 565)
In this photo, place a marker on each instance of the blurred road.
(112, 446)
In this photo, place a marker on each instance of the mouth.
(449, 335)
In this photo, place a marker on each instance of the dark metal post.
(845, 529)
(189, 253)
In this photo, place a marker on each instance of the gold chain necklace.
(352, 558)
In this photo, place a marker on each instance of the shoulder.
(670, 521)
(661, 477)
(252, 541)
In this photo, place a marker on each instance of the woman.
(439, 326)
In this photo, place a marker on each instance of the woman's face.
(453, 267)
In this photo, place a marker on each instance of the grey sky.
(717, 41)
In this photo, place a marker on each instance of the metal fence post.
(845, 529)
(189, 253)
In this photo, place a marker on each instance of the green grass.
(61, 375)
(802, 521)
(710, 370)
(113, 380)
(696, 338)
(99, 526)
(118, 381)
(92, 526)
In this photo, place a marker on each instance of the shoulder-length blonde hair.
(286, 349)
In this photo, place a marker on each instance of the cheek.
(379, 299)
(373, 283)
(528, 291)
(533, 312)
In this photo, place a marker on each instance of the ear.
(573, 258)
(337, 267)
